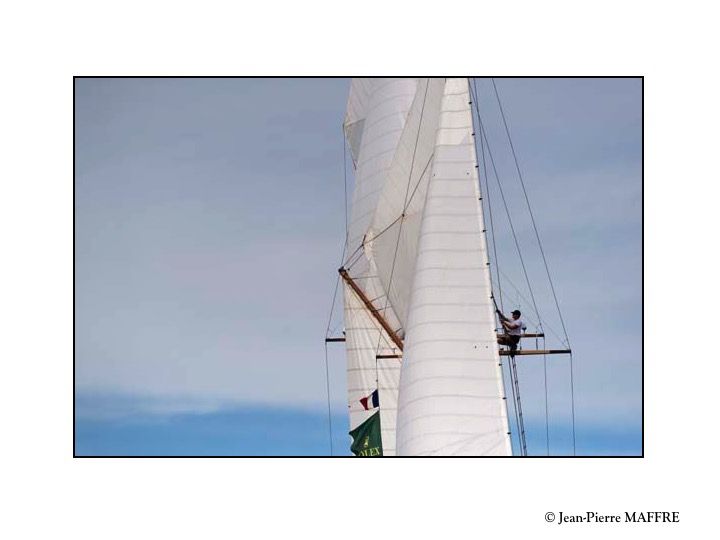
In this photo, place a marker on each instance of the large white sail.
(451, 394)
(395, 228)
(375, 120)
(418, 264)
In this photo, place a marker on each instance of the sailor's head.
(516, 314)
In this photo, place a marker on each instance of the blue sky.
(209, 224)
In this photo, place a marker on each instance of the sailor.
(513, 329)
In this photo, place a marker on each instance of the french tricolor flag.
(371, 402)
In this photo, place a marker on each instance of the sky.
(209, 222)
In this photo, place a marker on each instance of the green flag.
(366, 438)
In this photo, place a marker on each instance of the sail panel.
(385, 111)
(396, 224)
(375, 120)
(451, 395)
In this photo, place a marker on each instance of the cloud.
(117, 406)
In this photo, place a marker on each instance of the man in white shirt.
(513, 329)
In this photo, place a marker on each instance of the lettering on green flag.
(366, 438)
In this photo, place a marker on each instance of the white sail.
(395, 228)
(375, 119)
(417, 253)
(451, 394)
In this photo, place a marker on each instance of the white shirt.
(515, 328)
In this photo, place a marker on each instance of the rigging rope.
(515, 404)
(487, 194)
(345, 190)
(334, 298)
(547, 412)
(327, 367)
(507, 212)
(483, 135)
(516, 396)
(358, 251)
(355, 257)
(327, 385)
(524, 299)
(527, 201)
(518, 405)
(542, 253)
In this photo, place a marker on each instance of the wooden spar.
(528, 352)
(530, 335)
(375, 313)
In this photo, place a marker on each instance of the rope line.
(524, 299)
(547, 412)
(489, 199)
(517, 419)
(422, 175)
(542, 253)
(327, 385)
(355, 257)
(514, 378)
(345, 189)
(362, 244)
(327, 367)
(476, 120)
(334, 298)
(517, 245)
(532, 217)
(507, 212)
(483, 135)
